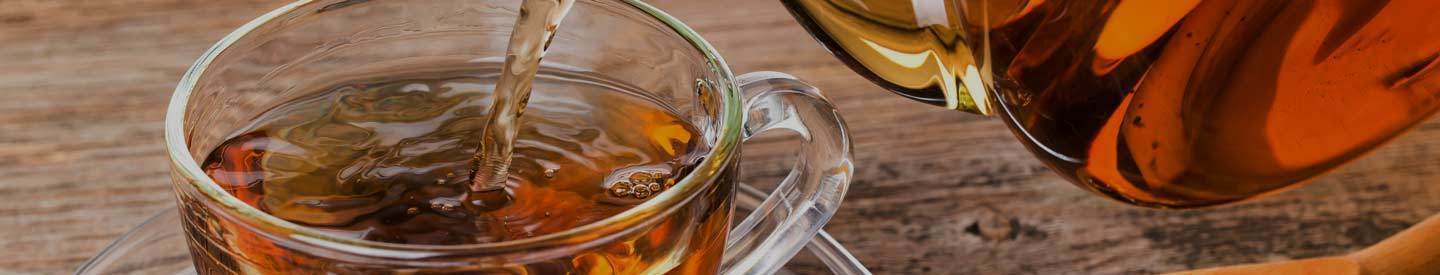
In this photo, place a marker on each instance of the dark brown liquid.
(1161, 103)
(390, 160)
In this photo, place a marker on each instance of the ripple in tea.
(390, 160)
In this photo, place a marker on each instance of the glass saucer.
(157, 246)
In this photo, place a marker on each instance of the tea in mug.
(389, 160)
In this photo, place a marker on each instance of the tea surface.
(389, 160)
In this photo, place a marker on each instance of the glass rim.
(728, 120)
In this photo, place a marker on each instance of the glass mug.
(282, 55)
(1168, 104)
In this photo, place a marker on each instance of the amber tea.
(1158, 103)
(346, 137)
(390, 160)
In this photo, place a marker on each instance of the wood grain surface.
(83, 85)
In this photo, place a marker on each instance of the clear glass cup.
(308, 45)
(157, 246)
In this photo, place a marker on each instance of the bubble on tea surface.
(640, 192)
(449, 207)
(550, 173)
(639, 183)
(642, 178)
(620, 189)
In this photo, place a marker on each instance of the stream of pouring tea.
(533, 30)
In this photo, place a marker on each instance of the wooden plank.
(936, 191)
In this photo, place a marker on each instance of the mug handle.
(806, 199)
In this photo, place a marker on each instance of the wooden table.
(85, 84)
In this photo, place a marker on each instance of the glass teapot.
(1169, 104)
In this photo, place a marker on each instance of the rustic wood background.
(83, 85)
